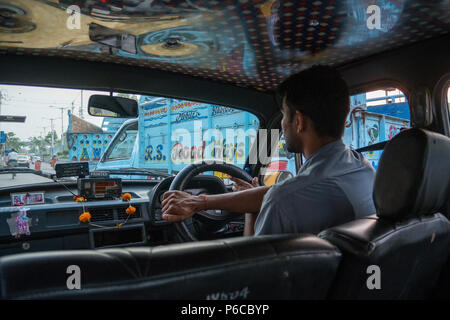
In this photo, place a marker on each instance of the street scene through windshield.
(159, 142)
(34, 129)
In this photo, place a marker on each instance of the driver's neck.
(313, 145)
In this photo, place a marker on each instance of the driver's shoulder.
(301, 187)
(286, 188)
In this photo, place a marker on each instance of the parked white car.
(23, 160)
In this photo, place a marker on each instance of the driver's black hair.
(321, 94)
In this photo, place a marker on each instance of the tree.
(14, 142)
(37, 145)
(42, 145)
(48, 141)
(48, 138)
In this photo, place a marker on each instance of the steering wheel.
(184, 228)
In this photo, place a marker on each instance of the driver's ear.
(299, 122)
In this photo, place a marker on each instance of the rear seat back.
(266, 267)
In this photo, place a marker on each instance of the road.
(6, 179)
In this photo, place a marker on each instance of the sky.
(382, 93)
(35, 102)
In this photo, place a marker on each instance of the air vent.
(101, 214)
(123, 215)
(64, 199)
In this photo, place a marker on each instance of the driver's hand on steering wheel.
(179, 205)
(240, 184)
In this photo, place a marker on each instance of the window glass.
(123, 144)
(53, 125)
(374, 117)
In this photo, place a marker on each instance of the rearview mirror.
(112, 38)
(111, 106)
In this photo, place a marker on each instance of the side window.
(375, 117)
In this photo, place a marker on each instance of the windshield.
(52, 126)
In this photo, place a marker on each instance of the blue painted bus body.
(173, 133)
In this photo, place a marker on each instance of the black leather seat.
(408, 239)
(268, 267)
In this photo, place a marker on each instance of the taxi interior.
(236, 53)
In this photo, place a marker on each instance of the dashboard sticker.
(19, 223)
(21, 199)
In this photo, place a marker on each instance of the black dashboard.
(55, 224)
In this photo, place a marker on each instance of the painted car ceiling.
(248, 43)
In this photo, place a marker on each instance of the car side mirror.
(274, 177)
(284, 175)
(112, 106)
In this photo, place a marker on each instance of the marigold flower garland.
(129, 211)
(85, 217)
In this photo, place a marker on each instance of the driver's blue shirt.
(333, 186)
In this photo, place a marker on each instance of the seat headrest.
(413, 175)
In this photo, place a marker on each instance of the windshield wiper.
(26, 170)
(137, 172)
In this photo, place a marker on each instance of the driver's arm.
(179, 205)
(250, 218)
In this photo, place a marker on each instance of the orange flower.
(126, 197)
(79, 199)
(130, 210)
(85, 217)
(75, 198)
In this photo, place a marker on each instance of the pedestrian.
(54, 160)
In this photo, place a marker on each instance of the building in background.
(87, 142)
